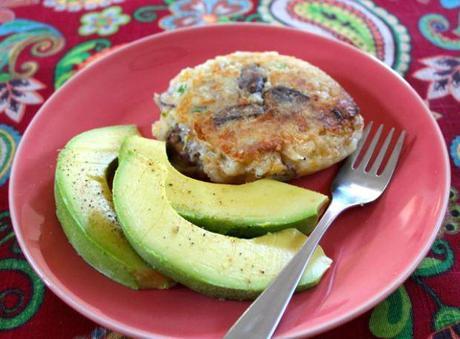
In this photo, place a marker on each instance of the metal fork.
(353, 185)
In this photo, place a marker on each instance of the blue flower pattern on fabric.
(187, 13)
(455, 150)
(449, 4)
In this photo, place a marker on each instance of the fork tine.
(383, 150)
(391, 165)
(352, 158)
(371, 149)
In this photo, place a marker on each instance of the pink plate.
(374, 248)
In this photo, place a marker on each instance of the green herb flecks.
(181, 89)
(198, 109)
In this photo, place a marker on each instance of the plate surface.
(374, 248)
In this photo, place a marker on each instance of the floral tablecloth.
(44, 43)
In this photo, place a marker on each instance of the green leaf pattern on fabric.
(446, 316)
(14, 315)
(393, 317)
(432, 266)
(66, 67)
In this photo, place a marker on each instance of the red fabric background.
(56, 320)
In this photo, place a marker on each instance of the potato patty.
(249, 115)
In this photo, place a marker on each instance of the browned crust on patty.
(259, 119)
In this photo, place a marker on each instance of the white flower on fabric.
(78, 5)
(443, 73)
(16, 94)
(103, 23)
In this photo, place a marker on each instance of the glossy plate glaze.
(374, 248)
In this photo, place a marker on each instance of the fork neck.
(337, 206)
(333, 210)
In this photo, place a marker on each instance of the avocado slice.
(244, 211)
(213, 264)
(85, 210)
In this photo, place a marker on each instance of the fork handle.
(262, 317)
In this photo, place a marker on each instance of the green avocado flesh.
(211, 263)
(246, 210)
(85, 209)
